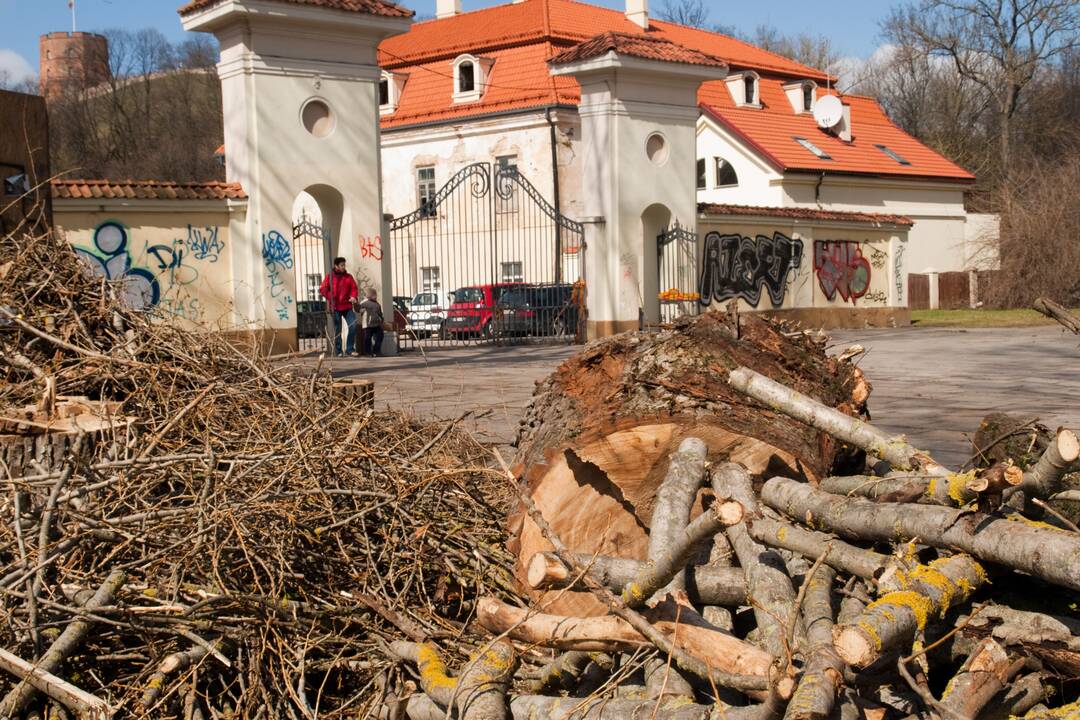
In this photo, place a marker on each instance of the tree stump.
(595, 442)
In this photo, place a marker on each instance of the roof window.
(470, 78)
(802, 94)
(893, 154)
(745, 89)
(391, 85)
(812, 148)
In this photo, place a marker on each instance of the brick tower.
(72, 61)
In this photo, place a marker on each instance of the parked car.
(427, 315)
(537, 310)
(474, 307)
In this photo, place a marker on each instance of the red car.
(474, 307)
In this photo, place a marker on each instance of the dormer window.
(470, 78)
(391, 85)
(745, 89)
(466, 78)
(802, 95)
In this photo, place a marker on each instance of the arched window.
(702, 180)
(750, 89)
(466, 77)
(807, 97)
(725, 173)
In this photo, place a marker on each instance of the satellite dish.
(828, 111)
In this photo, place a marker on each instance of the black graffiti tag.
(736, 266)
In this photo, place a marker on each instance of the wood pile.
(190, 531)
(699, 540)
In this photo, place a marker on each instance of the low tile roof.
(795, 213)
(371, 7)
(771, 131)
(635, 45)
(65, 189)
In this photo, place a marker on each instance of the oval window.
(656, 147)
(317, 118)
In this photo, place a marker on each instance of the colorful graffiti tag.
(277, 257)
(841, 268)
(110, 259)
(203, 243)
(371, 247)
(736, 266)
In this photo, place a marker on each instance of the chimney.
(843, 130)
(637, 11)
(447, 8)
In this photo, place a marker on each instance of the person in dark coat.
(373, 323)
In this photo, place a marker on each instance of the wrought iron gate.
(677, 248)
(312, 250)
(488, 259)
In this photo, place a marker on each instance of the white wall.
(757, 179)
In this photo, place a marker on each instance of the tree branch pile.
(246, 547)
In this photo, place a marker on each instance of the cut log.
(596, 441)
(1001, 437)
(982, 676)
(893, 620)
(1054, 311)
(674, 501)
(1044, 479)
(810, 544)
(533, 707)
(705, 585)
(1054, 640)
(720, 650)
(823, 676)
(89, 707)
(1041, 551)
(767, 583)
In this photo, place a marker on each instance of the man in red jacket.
(339, 289)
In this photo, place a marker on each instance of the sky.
(852, 25)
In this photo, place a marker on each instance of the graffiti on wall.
(371, 247)
(170, 263)
(277, 257)
(841, 269)
(110, 258)
(898, 273)
(736, 266)
(204, 244)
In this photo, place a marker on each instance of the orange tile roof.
(522, 37)
(636, 45)
(803, 214)
(371, 7)
(66, 189)
(771, 130)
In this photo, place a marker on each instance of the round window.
(656, 147)
(317, 118)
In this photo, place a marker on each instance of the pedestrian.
(340, 290)
(373, 323)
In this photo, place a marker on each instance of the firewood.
(483, 684)
(892, 620)
(609, 634)
(1054, 311)
(670, 518)
(894, 450)
(982, 676)
(811, 544)
(705, 585)
(1044, 479)
(86, 705)
(767, 583)
(823, 675)
(562, 673)
(1017, 699)
(950, 489)
(1053, 639)
(1044, 552)
(533, 707)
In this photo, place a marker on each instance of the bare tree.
(999, 45)
(693, 13)
(816, 51)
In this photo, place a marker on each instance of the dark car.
(474, 308)
(537, 310)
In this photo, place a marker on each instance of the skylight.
(893, 154)
(812, 148)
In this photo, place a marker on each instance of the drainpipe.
(555, 183)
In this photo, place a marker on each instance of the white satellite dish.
(828, 111)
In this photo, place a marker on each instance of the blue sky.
(851, 24)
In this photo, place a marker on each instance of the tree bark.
(1054, 311)
(767, 583)
(674, 501)
(89, 707)
(979, 679)
(1044, 479)
(1054, 640)
(531, 707)
(481, 692)
(1042, 552)
(823, 675)
(894, 619)
(894, 450)
(705, 585)
(595, 444)
(865, 564)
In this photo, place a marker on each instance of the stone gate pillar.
(639, 114)
(299, 84)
